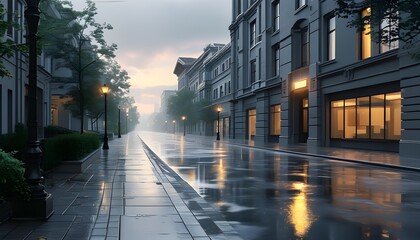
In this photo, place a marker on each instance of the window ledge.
(300, 9)
(328, 62)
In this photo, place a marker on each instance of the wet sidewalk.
(123, 195)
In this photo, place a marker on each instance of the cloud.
(152, 34)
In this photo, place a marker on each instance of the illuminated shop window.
(275, 121)
(370, 117)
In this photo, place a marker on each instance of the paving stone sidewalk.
(123, 195)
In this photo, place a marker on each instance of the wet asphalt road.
(271, 195)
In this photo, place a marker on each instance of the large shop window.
(252, 123)
(370, 117)
(275, 121)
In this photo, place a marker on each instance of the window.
(331, 38)
(304, 47)
(221, 91)
(223, 67)
(253, 71)
(252, 123)
(275, 120)
(276, 61)
(253, 33)
(229, 87)
(389, 28)
(299, 3)
(370, 117)
(276, 16)
(366, 40)
(216, 71)
(239, 6)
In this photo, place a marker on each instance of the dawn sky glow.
(152, 34)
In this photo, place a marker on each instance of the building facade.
(13, 89)
(299, 75)
(336, 86)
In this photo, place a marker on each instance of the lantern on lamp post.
(105, 90)
(183, 120)
(219, 109)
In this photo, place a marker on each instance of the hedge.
(68, 147)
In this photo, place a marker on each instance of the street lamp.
(183, 119)
(166, 126)
(174, 125)
(219, 109)
(105, 90)
(126, 122)
(40, 204)
(119, 122)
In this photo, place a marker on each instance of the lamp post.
(40, 205)
(119, 122)
(105, 90)
(126, 122)
(183, 120)
(219, 109)
(166, 126)
(174, 125)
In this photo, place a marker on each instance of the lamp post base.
(34, 209)
(218, 137)
(105, 145)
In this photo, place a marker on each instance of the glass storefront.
(368, 117)
(275, 121)
(252, 123)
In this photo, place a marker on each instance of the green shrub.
(52, 131)
(12, 181)
(68, 147)
(15, 142)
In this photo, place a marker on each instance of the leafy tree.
(77, 39)
(393, 20)
(181, 104)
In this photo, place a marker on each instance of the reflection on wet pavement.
(268, 195)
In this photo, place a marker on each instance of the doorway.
(300, 117)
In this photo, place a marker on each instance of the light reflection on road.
(267, 195)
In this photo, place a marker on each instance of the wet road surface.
(271, 195)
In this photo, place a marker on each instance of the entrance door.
(300, 116)
(303, 133)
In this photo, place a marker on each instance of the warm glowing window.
(371, 117)
(393, 116)
(363, 108)
(350, 118)
(252, 123)
(275, 120)
(337, 114)
(377, 121)
(366, 40)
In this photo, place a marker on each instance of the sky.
(152, 34)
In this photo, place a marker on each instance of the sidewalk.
(123, 195)
(375, 158)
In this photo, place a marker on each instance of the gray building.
(13, 89)
(336, 86)
(255, 71)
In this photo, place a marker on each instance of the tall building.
(331, 85)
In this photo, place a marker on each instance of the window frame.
(253, 33)
(331, 38)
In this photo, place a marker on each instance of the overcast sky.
(152, 34)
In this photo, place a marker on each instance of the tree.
(78, 39)
(394, 20)
(181, 104)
